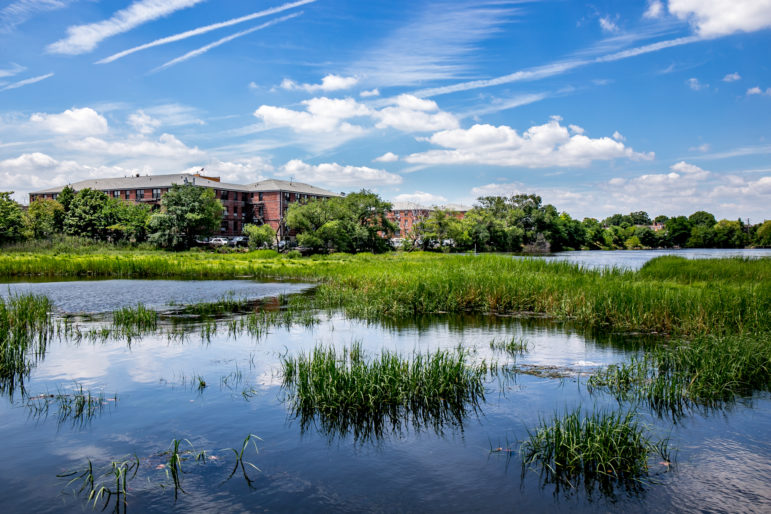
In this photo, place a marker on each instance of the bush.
(293, 254)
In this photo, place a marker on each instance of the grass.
(667, 296)
(25, 329)
(347, 393)
(514, 347)
(603, 448)
(105, 484)
(79, 406)
(136, 318)
(706, 371)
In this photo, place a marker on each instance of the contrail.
(204, 30)
(25, 82)
(222, 41)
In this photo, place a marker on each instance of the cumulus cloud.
(337, 175)
(166, 147)
(413, 114)
(143, 122)
(757, 91)
(421, 198)
(550, 144)
(387, 157)
(330, 82)
(370, 93)
(243, 171)
(321, 115)
(694, 84)
(732, 77)
(655, 9)
(81, 122)
(722, 17)
(84, 38)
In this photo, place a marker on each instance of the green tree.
(763, 234)
(11, 219)
(259, 236)
(129, 220)
(729, 234)
(702, 236)
(65, 198)
(646, 236)
(702, 218)
(640, 218)
(187, 212)
(87, 215)
(678, 230)
(44, 218)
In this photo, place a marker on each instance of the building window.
(156, 194)
(127, 194)
(259, 196)
(140, 194)
(260, 211)
(224, 195)
(116, 194)
(286, 197)
(55, 196)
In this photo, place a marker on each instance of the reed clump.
(348, 393)
(602, 448)
(514, 347)
(706, 371)
(139, 318)
(25, 329)
(78, 406)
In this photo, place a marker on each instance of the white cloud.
(540, 146)
(413, 114)
(175, 115)
(655, 9)
(732, 77)
(336, 175)
(497, 189)
(608, 25)
(618, 136)
(81, 122)
(757, 91)
(722, 17)
(690, 170)
(143, 122)
(166, 147)
(226, 39)
(84, 38)
(330, 82)
(575, 129)
(387, 157)
(204, 30)
(694, 84)
(434, 45)
(322, 115)
(15, 69)
(20, 11)
(421, 198)
(701, 148)
(370, 93)
(26, 82)
(243, 171)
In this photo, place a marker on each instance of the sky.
(598, 107)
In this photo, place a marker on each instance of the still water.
(723, 460)
(635, 259)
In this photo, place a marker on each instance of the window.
(156, 194)
(286, 197)
(140, 194)
(260, 211)
(54, 196)
(259, 196)
(116, 194)
(128, 194)
(224, 195)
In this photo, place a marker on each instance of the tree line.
(360, 222)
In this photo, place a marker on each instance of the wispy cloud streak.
(204, 49)
(554, 69)
(84, 38)
(26, 82)
(204, 30)
(20, 11)
(15, 69)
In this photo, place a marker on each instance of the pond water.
(93, 296)
(723, 460)
(635, 259)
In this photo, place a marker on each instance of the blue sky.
(600, 107)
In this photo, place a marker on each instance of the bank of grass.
(667, 296)
(602, 447)
(706, 371)
(343, 390)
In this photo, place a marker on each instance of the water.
(93, 296)
(723, 461)
(635, 259)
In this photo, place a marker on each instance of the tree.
(702, 236)
(646, 237)
(87, 216)
(678, 230)
(640, 218)
(44, 218)
(187, 212)
(661, 218)
(11, 219)
(129, 220)
(702, 218)
(763, 234)
(729, 234)
(259, 236)
(65, 198)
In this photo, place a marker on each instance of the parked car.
(239, 241)
(218, 241)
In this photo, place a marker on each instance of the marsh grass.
(25, 330)
(249, 442)
(706, 371)
(347, 393)
(105, 484)
(668, 296)
(138, 318)
(514, 347)
(79, 407)
(602, 449)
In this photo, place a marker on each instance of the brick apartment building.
(264, 202)
(407, 214)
